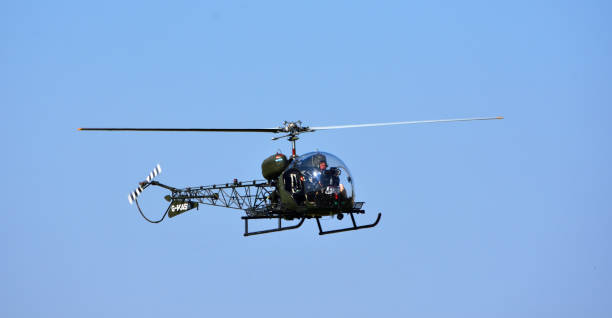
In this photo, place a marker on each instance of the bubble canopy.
(320, 178)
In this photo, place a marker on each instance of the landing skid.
(278, 229)
(292, 227)
(352, 228)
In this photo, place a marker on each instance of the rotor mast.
(293, 140)
(293, 129)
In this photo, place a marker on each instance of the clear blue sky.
(506, 218)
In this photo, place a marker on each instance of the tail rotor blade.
(134, 194)
(154, 173)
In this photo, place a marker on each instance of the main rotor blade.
(267, 130)
(403, 123)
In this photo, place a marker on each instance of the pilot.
(328, 177)
(319, 164)
(320, 158)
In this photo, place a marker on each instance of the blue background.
(500, 218)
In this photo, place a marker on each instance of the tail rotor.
(134, 194)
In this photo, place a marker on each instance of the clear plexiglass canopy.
(320, 178)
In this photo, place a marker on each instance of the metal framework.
(250, 196)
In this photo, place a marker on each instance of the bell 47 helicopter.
(311, 185)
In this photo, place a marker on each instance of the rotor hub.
(294, 128)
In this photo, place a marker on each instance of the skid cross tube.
(280, 227)
(353, 228)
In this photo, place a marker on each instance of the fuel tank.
(273, 166)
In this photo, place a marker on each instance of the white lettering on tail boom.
(180, 207)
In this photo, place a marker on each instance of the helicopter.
(295, 188)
